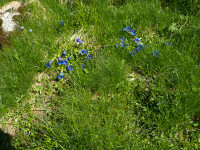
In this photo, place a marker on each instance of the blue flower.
(168, 43)
(70, 68)
(83, 66)
(49, 64)
(137, 40)
(60, 61)
(132, 53)
(61, 23)
(90, 56)
(30, 30)
(121, 45)
(68, 58)
(82, 52)
(124, 45)
(133, 32)
(65, 62)
(141, 46)
(127, 29)
(123, 39)
(156, 53)
(64, 53)
(60, 76)
(137, 49)
(85, 51)
(79, 41)
(22, 27)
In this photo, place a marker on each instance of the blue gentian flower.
(49, 64)
(61, 23)
(90, 56)
(60, 76)
(141, 46)
(123, 45)
(132, 53)
(60, 61)
(127, 29)
(68, 58)
(82, 52)
(70, 68)
(156, 53)
(137, 49)
(133, 32)
(137, 40)
(64, 53)
(85, 51)
(83, 66)
(79, 41)
(22, 27)
(65, 62)
(123, 39)
(168, 43)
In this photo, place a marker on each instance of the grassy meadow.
(115, 97)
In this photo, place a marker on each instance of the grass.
(99, 107)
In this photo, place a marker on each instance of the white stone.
(8, 23)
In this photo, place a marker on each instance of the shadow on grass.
(5, 141)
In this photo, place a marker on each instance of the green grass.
(99, 108)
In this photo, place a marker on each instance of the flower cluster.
(137, 41)
(64, 61)
(133, 43)
(138, 46)
(121, 43)
(84, 52)
(129, 30)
